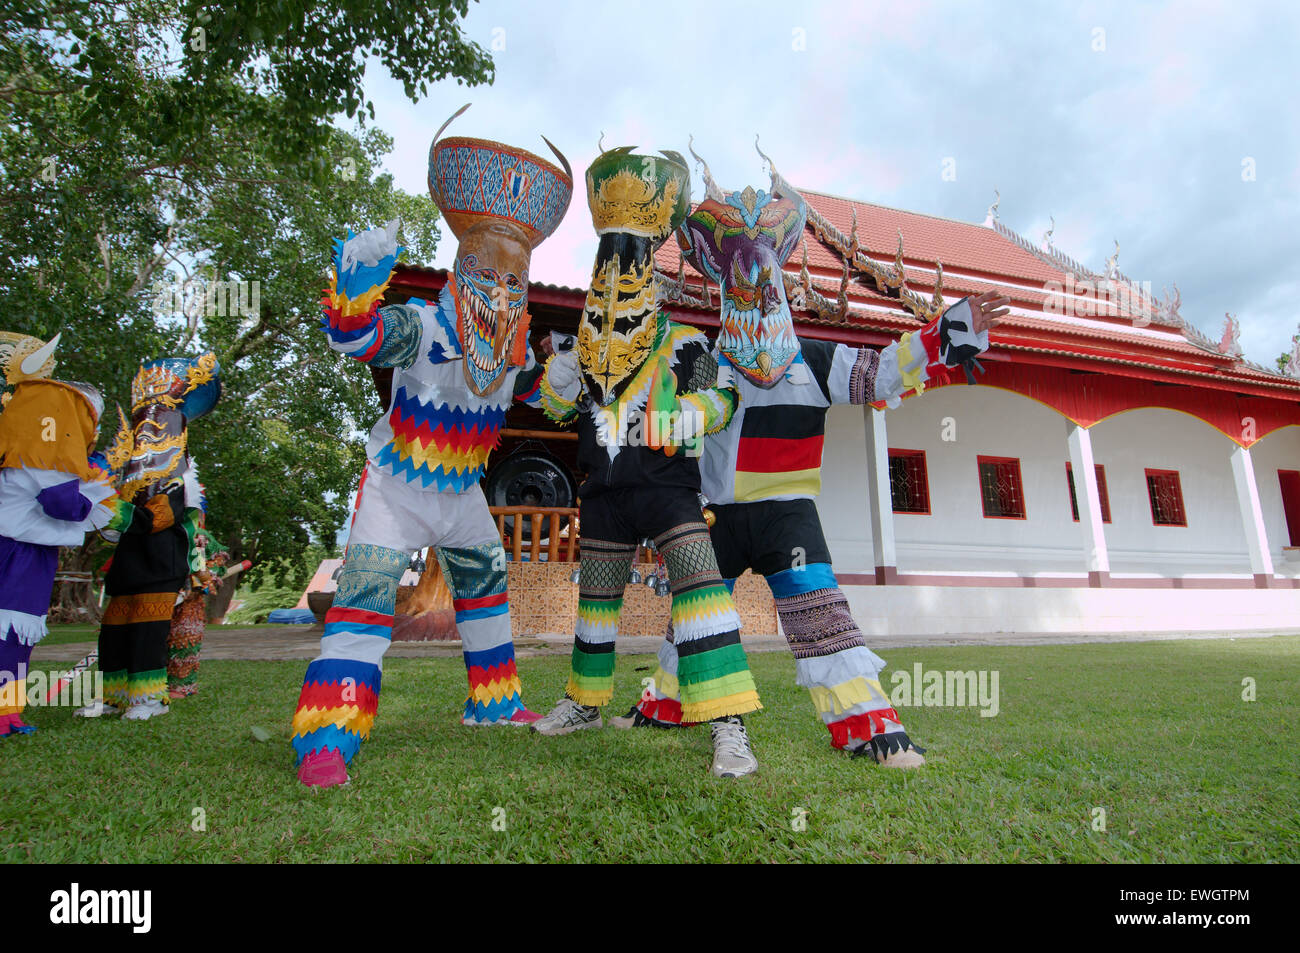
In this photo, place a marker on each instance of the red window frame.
(917, 463)
(1171, 479)
(1103, 494)
(1008, 467)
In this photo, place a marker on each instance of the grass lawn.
(62, 634)
(1156, 734)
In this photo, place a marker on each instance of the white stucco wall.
(956, 537)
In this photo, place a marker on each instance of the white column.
(882, 504)
(1088, 499)
(1252, 515)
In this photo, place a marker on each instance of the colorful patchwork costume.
(189, 617)
(762, 473)
(50, 496)
(152, 559)
(640, 388)
(459, 362)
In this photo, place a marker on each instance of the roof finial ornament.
(1292, 368)
(991, 215)
(936, 303)
(1047, 235)
(899, 273)
(1112, 263)
(1230, 342)
(711, 189)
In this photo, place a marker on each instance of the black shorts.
(769, 536)
(631, 515)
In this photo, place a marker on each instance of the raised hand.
(370, 247)
(988, 310)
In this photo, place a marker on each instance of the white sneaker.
(97, 710)
(145, 710)
(567, 716)
(732, 757)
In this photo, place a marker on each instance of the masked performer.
(152, 559)
(50, 496)
(459, 362)
(763, 472)
(640, 388)
(189, 618)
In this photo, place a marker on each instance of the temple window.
(1001, 490)
(909, 487)
(1166, 493)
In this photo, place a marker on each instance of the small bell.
(634, 577)
(663, 588)
(652, 581)
(575, 576)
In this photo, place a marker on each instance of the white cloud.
(1142, 141)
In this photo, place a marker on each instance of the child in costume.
(189, 617)
(50, 496)
(632, 370)
(458, 363)
(762, 473)
(152, 559)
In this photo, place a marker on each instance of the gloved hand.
(370, 247)
(563, 375)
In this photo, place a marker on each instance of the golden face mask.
(636, 202)
(619, 323)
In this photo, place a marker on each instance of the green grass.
(63, 634)
(1156, 734)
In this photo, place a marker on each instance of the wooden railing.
(553, 530)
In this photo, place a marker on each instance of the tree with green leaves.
(156, 150)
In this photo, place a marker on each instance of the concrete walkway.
(303, 642)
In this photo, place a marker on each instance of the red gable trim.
(1088, 399)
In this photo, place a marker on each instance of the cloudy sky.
(1171, 127)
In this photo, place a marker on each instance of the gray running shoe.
(567, 716)
(732, 757)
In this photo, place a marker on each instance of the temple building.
(1112, 469)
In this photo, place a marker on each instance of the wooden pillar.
(1086, 496)
(881, 502)
(1252, 517)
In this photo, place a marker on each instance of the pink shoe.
(14, 725)
(323, 769)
